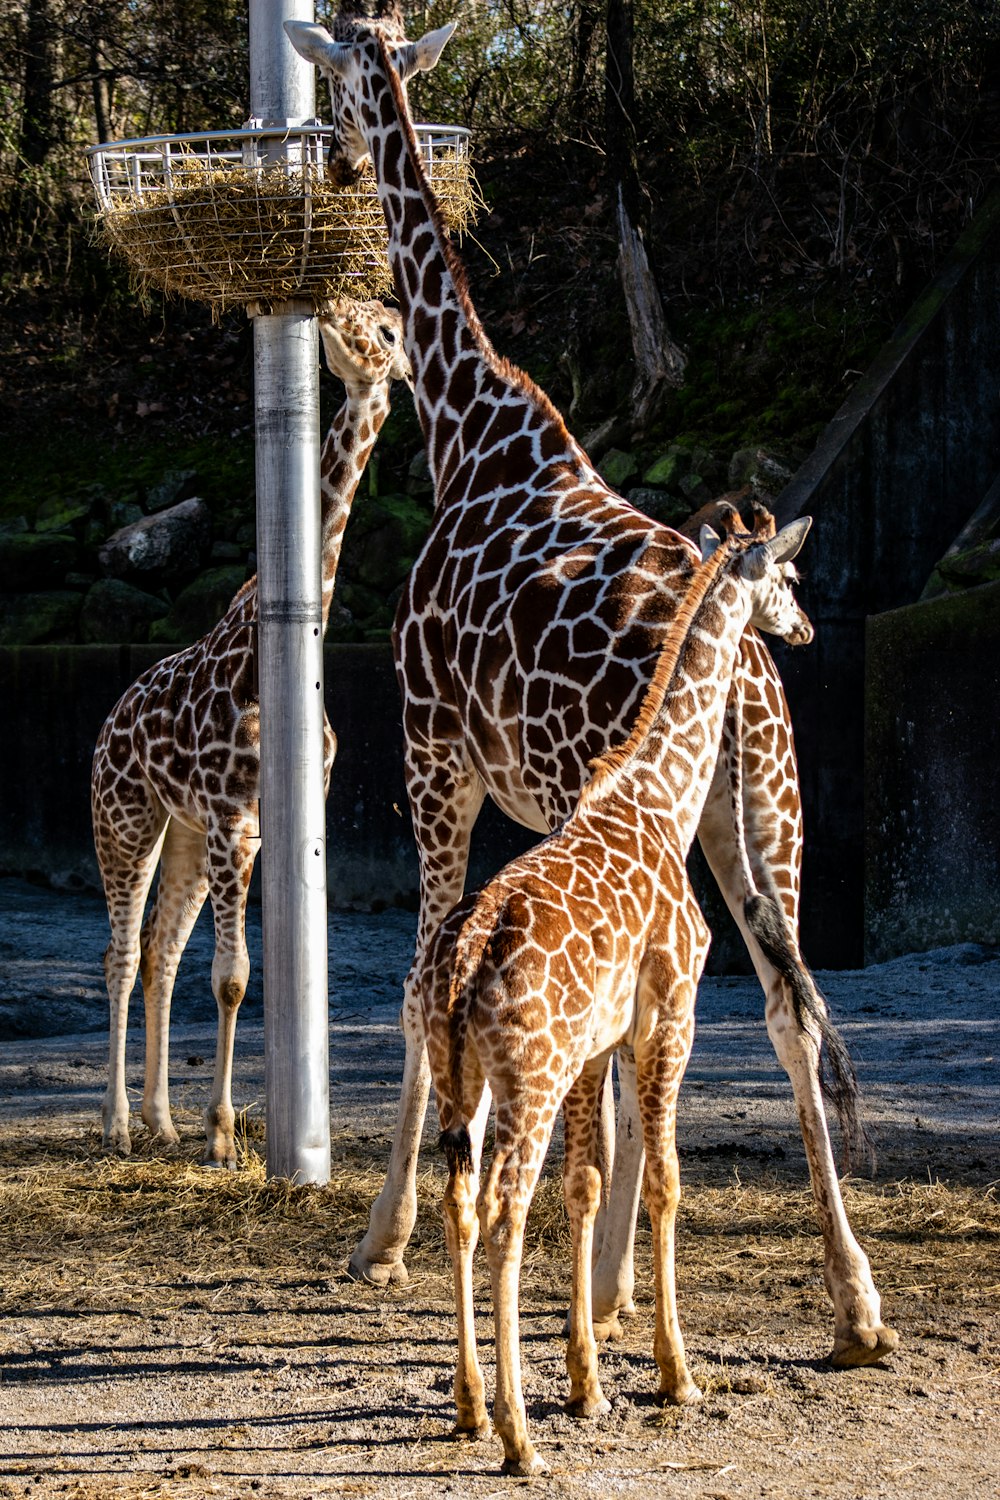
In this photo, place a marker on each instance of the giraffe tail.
(470, 945)
(838, 1078)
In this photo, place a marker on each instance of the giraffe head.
(348, 57)
(765, 565)
(363, 343)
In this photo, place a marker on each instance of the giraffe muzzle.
(339, 170)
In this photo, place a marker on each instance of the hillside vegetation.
(800, 171)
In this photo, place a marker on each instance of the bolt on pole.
(290, 669)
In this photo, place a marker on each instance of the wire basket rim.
(244, 132)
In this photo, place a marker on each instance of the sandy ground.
(169, 1331)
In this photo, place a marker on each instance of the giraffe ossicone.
(176, 773)
(591, 939)
(525, 640)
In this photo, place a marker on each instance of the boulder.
(166, 547)
(31, 560)
(61, 514)
(764, 472)
(617, 467)
(175, 486)
(384, 537)
(115, 613)
(667, 471)
(199, 606)
(974, 565)
(419, 481)
(658, 505)
(37, 619)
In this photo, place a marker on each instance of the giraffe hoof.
(523, 1468)
(686, 1395)
(863, 1346)
(117, 1144)
(609, 1329)
(219, 1164)
(476, 1432)
(378, 1273)
(584, 1407)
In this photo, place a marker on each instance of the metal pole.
(290, 669)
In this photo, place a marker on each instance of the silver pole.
(290, 669)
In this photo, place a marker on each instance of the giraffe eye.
(389, 334)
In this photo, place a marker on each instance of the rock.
(37, 619)
(124, 513)
(31, 560)
(383, 539)
(59, 514)
(980, 564)
(227, 552)
(164, 547)
(175, 486)
(667, 471)
(658, 505)
(694, 489)
(617, 467)
(199, 606)
(116, 613)
(419, 481)
(765, 472)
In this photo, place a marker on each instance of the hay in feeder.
(229, 234)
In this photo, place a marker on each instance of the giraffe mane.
(603, 767)
(508, 372)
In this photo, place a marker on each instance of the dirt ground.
(167, 1331)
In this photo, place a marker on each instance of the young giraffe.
(177, 767)
(592, 938)
(528, 631)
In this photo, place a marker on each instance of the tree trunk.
(37, 135)
(101, 89)
(659, 362)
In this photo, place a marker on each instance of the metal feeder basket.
(249, 216)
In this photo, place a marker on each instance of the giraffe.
(176, 773)
(524, 640)
(591, 938)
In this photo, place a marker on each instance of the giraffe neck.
(661, 775)
(456, 369)
(345, 452)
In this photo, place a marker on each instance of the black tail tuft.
(838, 1079)
(457, 1147)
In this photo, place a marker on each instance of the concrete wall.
(893, 479)
(932, 814)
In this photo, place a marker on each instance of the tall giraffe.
(176, 773)
(524, 641)
(590, 939)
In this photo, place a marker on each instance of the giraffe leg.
(661, 1058)
(443, 843)
(503, 1209)
(180, 894)
(614, 1271)
(860, 1337)
(582, 1192)
(127, 870)
(462, 1233)
(231, 854)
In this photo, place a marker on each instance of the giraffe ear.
(421, 56)
(708, 540)
(788, 543)
(317, 46)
